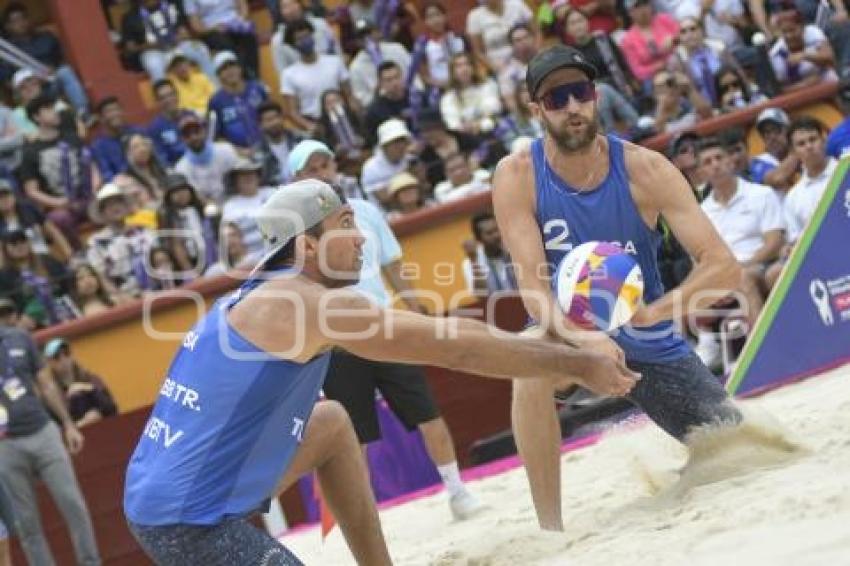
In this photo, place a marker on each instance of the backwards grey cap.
(294, 208)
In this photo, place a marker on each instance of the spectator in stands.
(678, 104)
(194, 88)
(735, 141)
(324, 38)
(341, 128)
(303, 82)
(802, 56)
(184, 227)
(117, 250)
(143, 180)
(649, 41)
(747, 216)
(838, 140)
(392, 101)
(317, 160)
(20, 214)
(57, 172)
(234, 255)
(390, 158)
(205, 162)
(87, 399)
(434, 48)
(523, 48)
(245, 196)
(28, 86)
(777, 166)
(726, 21)
(153, 30)
(735, 92)
(45, 48)
(682, 152)
(163, 129)
(90, 292)
(602, 18)
(602, 53)
(276, 143)
(472, 103)
(461, 180)
(520, 123)
(224, 25)
(488, 25)
(11, 142)
(37, 283)
(364, 66)
(235, 104)
(108, 147)
(32, 449)
(405, 195)
(487, 267)
(160, 272)
(700, 58)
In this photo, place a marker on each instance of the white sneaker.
(708, 349)
(464, 505)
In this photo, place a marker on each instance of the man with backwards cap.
(237, 419)
(576, 185)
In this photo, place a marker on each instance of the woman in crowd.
(700, 58)
(161, 270)
(191, 239)
(341, 129)
(472, 103)
(520, 123)
(649, 42)
(143, 180)
(734, 91)
(87, 398)
(436, 47)
(91, 293)
(19, 214)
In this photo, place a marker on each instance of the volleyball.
(599, 286)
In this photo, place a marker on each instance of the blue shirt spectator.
(838, 140)
(108, 148)
(234, 106)
(163, 129)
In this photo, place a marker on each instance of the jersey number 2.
(559, 240)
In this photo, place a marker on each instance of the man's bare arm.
(773, 242)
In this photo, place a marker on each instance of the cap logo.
(325, 204)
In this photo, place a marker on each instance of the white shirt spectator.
(503, 280)
(120, 256)
(308, 81)
(378, 171)
(510, 75)
(284, 55)
(445, 191)
(242, 210)
(716, 29)
(364, 70)
(813, 38)
(743, 221)
(493, 29)
(213, 13)
(478, 103)
(439, 53)
(803, 200)
(380, 249)
(208, 176)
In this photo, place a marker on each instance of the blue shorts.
(233, 541)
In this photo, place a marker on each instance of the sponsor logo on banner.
(832, 299)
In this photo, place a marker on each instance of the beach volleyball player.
(576, 185)
(237, 419)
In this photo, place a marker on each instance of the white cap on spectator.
(402, 181)
(301, 154)
(108, 191)
(391, 130)
(21, 75)
(224, 58)
(776, 115)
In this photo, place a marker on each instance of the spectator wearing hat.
(649, 41)
(87, 399)
(185, 229)
(194, 88)
(32, 449)
(234, 105)
(802, 56)
(276, 143)
(488, 25)
(108, 147)
(57, 171)
(163, 129)
(153, 30)
(117, 250)
(390, 158)
(225, 25)
(324, 38)
(303, 82)
(364, 66)
(205, 162)
(487, 266)
(90, 292)
(392, 101)
(28, 86)
(682, 152)
(314, 159)
(44, 47)
(242, 184)
(37, 283)
(461, 180)
(406, 196)
(471, 104)
(20, 214)
(776, 166)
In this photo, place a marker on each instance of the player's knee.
(333, 413)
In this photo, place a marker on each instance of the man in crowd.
(523, 48)
(108, 147)
(163, 129)
(324, 37)
(364, 66)
(392, 101)
(234, 105)
(682, 152)
(390, 158)
(487, 267)
(777, 166)
(205, 162)
(276, 143)
(31, 448)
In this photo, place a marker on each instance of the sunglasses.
(688, 29)
(559, 96)
(730, 84)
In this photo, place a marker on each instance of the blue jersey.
(109, 152)
(568, 218)
(166, 139)
(236, 114)
(227, 422)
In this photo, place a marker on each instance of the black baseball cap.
(550, 60)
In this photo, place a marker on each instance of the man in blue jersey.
(235, 104)
(163, 129)
(575, 185)
(237, 419)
